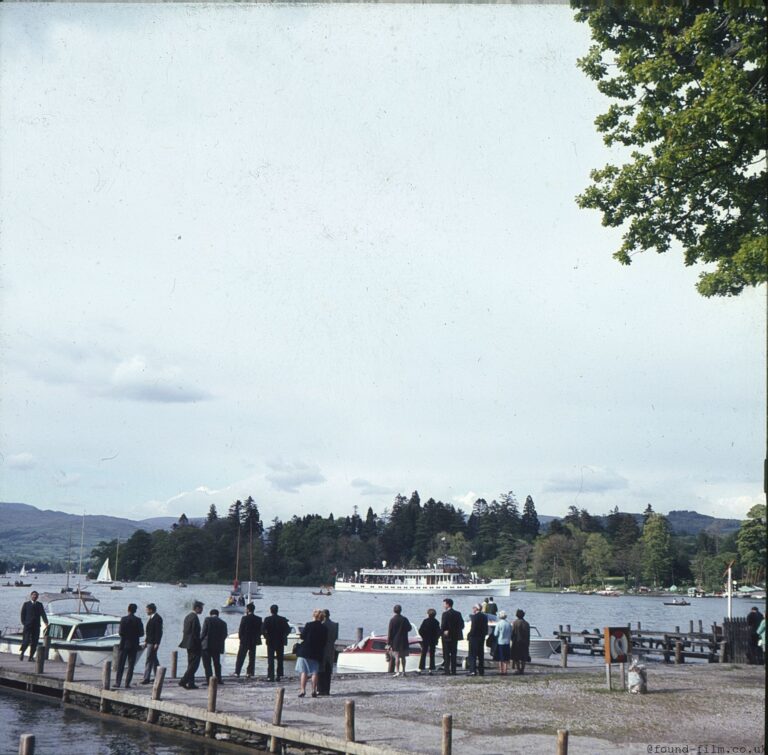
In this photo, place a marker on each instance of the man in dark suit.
(32, 613)
(452, 629)
(249, 634)
(190, 640)
(153, 635)
(131, 632)
(478, 631)
(212, 640)
(326, 665)
(275, 630)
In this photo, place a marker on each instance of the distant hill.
(681, 523)
(31, 535)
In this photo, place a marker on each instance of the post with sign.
(618, 647)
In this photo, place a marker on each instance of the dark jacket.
(154, 629)
(429, 631)
(190, 634)
(521, 638)
(452, 625)
(250, 630)
(313, 636)
(397, 634)
(131, 630)
(214, 635)
(276, 629)
(332, 634)
(32, 613)
(478, 626)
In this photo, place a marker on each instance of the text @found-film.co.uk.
(705, 749)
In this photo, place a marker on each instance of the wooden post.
(115, 656)
(70, 674)
(677, 630)
(608, 674)
(349, 718)
(690, 627)
(277, 718)
(638, 629)
(358, 634)
(722, 651)
(622, 676)
(174, 663)
(701, 627)
(667, 648)
(447, 734)
(564, 653)
(679, 652)
(106, 683)
(568, 628)
(213, 688)
(157, 691)
(40, 657)
(47, 646)
(27, 744)
(562, 742)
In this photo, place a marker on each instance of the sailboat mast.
(117, 556)
(82, 539)
(69, 556)
(237, 556)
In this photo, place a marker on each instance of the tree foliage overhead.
(689, 95)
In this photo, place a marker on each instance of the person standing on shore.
(521, 640)
(452, 628)
(311, 651)
(275, 630)
(32, 613)
(190, 641)
(212, 640)
(329, 656)
(397, 639)
(131, 632)
(153, 633)
(478, 631)
(249, 634)
(503, 634)
(754, 651)
(429, 631)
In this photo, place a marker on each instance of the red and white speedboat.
(370, 655)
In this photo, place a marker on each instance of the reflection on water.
(60, 730)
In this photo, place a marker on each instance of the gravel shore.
(704, 706)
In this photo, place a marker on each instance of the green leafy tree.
(689, 96)
(213, 515)
(657, 549)
(597, 557)
(529, 522)
(751, 544)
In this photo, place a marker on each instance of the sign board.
(617, 643)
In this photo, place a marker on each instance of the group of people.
(509, 641)
(206, 643)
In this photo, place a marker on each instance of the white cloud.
(21, 462)
(368, 488)
(290, 476)
(467, 500)
(585, 479)
(135, 379)
(67, 479)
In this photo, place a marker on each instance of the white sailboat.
(105, 575)
(23, 570)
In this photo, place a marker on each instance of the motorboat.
(75, 624)
(232, 643)
(144, 585)
(677, 602)
(238, 600)
(445, 577)
(370, 655)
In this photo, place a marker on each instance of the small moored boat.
(370, 655)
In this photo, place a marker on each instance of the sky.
(322, 255)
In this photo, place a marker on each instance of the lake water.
(53, 725)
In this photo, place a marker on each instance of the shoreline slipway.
(689, 705)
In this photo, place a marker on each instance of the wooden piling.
(106, 683)
(358, 634)
(667, 648)
(722, 652)
(679, 652)
(157, 691)
(115, 656)
(70, 675)
(562, 742)
(40, 657)
(690, 627)
(622, 676)
(174, 663)
(564, 653)
(277, 718)
(213, 688)
(27, 744)
(447, 734)
(608, 674)
(349, 720)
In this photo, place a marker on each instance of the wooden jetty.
(204, 712)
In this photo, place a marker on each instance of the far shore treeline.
(499, 538)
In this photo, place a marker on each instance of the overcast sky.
(322, 255)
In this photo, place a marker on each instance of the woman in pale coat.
(503, 635)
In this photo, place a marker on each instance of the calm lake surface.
(53, 725)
